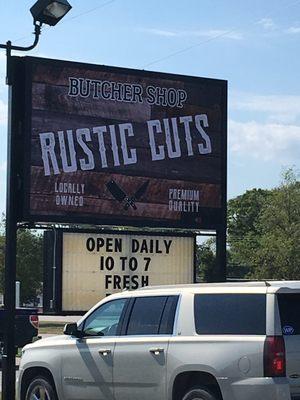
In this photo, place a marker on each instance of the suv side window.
(152, 315)
(104, 320)
(230, 314)
(167, 320)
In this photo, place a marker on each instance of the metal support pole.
(8, 360)
(9, 354)
(221, 255)
(222, 229)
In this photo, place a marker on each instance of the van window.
(289, 306)
(230, 314)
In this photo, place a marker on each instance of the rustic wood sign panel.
(118, 146)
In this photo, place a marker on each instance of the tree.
(278, 254)
(243, 232)
(206, 261)
(29, 263)
(263, 230)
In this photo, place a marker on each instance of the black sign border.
(53, 244)
(24, 70)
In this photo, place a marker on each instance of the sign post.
(14, 112)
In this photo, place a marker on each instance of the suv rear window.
(230, 314)
(289, 306)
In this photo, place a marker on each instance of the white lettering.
(176, 152)
(72, 167)
(88, 164)
(132, 158)
(157, 153)
(102, 150)
(47, 141)
(188, 138)
(199, 120)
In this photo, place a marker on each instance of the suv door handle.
(104, 352)
(156, 350)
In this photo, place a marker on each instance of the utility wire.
(176, 53)
(67, 19)
(90, 11)
(223, 34)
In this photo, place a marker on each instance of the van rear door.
(289, 310)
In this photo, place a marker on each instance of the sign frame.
(53, 262)
(24, 153)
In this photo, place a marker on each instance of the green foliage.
(206, 261)
(278, 254)
(264, 231)
(243, 232)
(29, 263)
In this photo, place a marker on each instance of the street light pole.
(49, 12)
(9, 47)
(8, 358)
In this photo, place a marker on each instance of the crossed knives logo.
(119, 194)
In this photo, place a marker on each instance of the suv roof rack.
(266, 282)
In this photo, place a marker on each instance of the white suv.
(230, 341)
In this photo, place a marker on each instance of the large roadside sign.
(91, 266)
(107, 145)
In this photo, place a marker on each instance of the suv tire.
(199, 394)
(41, 388)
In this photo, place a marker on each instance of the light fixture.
(50, 12)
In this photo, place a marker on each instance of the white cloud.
(278, 108)
(209, 34)
(268, 141)
(267, 23)
(159, 32)
(293, 30)
(275, 30)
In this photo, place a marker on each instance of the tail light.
(34, 320)
(274, 357)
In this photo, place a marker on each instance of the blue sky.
(252, 44)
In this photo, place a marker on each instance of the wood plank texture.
(97, 198)
(54, 110)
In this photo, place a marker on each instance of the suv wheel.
(40, 389)
(199, 394)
